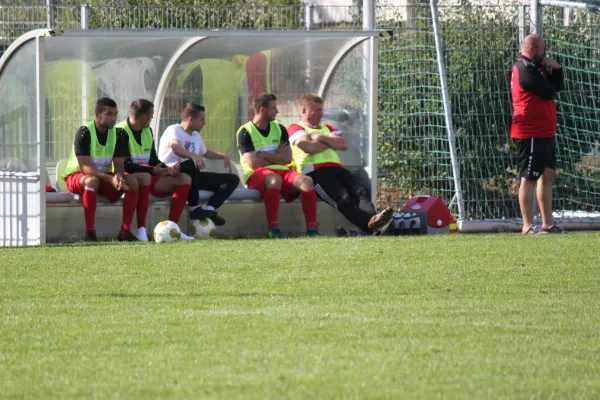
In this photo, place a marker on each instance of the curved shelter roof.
(222, 70)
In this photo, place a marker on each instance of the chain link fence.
(481, 42)
(16, 19)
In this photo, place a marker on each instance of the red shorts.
(257, 181)
(105, 189)
(153, 190)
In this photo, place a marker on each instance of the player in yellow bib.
(265, 154)
(96, 167)
(153, 177)
(314, 148)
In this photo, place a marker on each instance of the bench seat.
(238, 196)
(59, 198)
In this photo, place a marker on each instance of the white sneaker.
(185, 237)
(141, 234)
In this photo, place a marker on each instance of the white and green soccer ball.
(203, 229)
(166, 232)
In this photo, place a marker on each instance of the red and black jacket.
(533, 92)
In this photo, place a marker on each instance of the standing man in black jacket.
(535, 82)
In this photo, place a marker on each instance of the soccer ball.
(166, 231)
(203, 229)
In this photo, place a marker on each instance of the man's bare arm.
(283, 156)
(254, 161)
(213, 155)
(334, 141)
(86, 166)
(180, 151)
(310, 146)
(119, 164)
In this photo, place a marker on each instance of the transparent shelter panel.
(346, 100)
(225, 74)
(79, 70)
(18, 118)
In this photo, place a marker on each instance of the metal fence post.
(566, 16)
(309, 24)
(368, 15)
(85, 16)
(370, 85)
(40, 105)
(49, 14)
(522, 23)
(536, 18)
(85, 95)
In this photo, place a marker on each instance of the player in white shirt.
(182, 144)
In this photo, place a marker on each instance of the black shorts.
(535, 155)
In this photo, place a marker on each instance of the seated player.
(98, 146)
(142, 163)
(182, 144)
(314, 149)
(265, 154)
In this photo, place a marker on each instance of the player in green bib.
(265, 154)
(314, 148)
(153, 177)
(97, 167)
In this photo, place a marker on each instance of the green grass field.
(452, 316)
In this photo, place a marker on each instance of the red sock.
(271, 198)
(130, 201)
(89, 209)
(142, 205)
(178, 202)
(309, 206)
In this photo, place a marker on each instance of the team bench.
(62, 196)
(243, 210)
(70, 199)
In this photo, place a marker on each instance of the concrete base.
(515, 225)
(65, 223)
